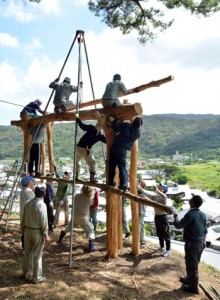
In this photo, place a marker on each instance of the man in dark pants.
(37, 138)
(49, 201)
(127, 134)
(194, 233)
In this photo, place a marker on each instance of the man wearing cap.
(62, 197)
(31, 109)
(113, 90)
(194, 226)
(161, 218)
(35, 230)
(84, 146)
(26, 193)
(62, 93)
(82, 203)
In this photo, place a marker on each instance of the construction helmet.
(67, 79)
(117, 77)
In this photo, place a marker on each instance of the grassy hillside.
(162, 135)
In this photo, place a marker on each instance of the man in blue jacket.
(127, 134)
(32, 108)
(194, 234)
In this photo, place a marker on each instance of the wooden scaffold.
(113, 195)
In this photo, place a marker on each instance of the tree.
(139, 15)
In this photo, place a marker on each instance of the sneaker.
(39, 280)
(166, 253)
(127, 235)
(160, 250)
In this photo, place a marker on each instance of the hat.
(165, 187)
(66, 173)
(117, 77)
(67, 79)
(87, 190)
(197, 200)
(25, 180)
(38, 101)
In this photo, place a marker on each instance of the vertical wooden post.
(134, 205)
(50, 146)
(112, 209)
(119, 200)
(27, 142)
(43, 158)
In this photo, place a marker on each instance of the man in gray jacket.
(35, 230)
(82, 203)
(113, 90)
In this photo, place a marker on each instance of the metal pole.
(26, 154)
(80, 40)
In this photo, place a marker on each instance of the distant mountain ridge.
(162, 135)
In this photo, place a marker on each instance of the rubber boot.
(92, 177)
(91, 246)
(62, 234)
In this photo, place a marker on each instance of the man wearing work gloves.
(84, 147)
(62, 93)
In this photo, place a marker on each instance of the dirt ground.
(93, 276)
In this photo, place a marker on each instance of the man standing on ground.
(62, 197)
(35, 230)
(194, 234)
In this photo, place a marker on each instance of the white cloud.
(6, 40)
(49, 7)
(19, 11)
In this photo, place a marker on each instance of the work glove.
(174, 211)
(81, 84)
(77, 116)
(51, 204)
(57, 79)
(111, 118)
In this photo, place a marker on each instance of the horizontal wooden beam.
(122, 112)
(106, 188)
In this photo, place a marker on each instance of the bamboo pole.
(208, 292)
(134, 205)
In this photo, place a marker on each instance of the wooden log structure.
(122, 113)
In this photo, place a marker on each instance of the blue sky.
(35, 39)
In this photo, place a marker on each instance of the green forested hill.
(162, 135)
